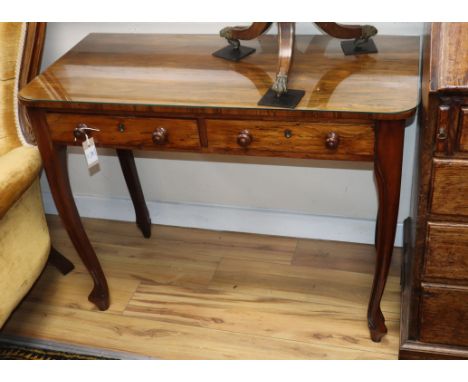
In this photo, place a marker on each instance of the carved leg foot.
(234, 51)
(59, 261)
(99, 296)
(389, 137)
(362, 43)
(377, 326)
(129, 170)
(280, 86)
(279, 95)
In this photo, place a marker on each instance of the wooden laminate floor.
(199, 294)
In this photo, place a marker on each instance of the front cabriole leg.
(389, 138)
(54, 158)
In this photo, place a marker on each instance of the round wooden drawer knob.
(332, 141)
(244, 138)
(160, 136)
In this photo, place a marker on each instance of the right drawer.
(444, 316)
(446, 252)
(450, 187)
(353, 140)
(463, 141)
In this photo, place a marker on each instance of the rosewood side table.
(163, 92)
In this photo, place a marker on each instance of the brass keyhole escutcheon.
(121, 127)
(287, 133)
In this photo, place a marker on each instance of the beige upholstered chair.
(24, 237)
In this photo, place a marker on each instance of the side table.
(163, 92)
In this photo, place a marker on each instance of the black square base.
(350, 48)
(232, 54)
(288, 100)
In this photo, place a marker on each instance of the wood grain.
(163, 340)
(172, 242)
(232, 311)
(342, 256)
(444, 314)
(68, 291)
(306, 140)
(186, 304)
(157, 71)
(339, 288)
(137, 132)
(447, 252)
(450, 187)
(449, 74)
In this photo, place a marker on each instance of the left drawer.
(127, 132)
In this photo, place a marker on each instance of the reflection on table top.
(179, 70)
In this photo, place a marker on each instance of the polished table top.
(179, 70)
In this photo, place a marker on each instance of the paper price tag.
(90, 152)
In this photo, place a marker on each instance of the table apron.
(330, 140)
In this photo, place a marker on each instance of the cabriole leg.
(130, 173)
(389, 137)
(54, 158)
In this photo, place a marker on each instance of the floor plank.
(278, 318)
(161, 339)
(142, 264)
(342, 256)
(68, 291)
(174, 241)
(318, 286)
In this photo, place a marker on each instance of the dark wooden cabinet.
(435, 269)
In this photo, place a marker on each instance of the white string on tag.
(82, 127)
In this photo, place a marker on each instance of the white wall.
(193, 189)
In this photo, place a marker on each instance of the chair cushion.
(24, 248)
(18, 170)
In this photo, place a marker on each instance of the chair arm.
(18, 170)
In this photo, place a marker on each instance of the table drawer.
(127, 132)
(450, 187)
(463, 126)
(350, 141)
(447, 252)
(444, 316)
